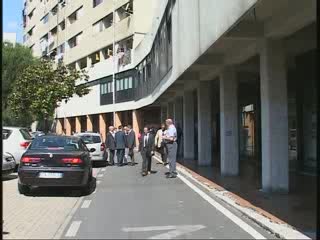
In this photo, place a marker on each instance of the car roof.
(57, 136)
(87, 133)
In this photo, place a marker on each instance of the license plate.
(50, 175)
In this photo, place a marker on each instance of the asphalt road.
(126, 205)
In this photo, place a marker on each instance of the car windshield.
(89, 139)
(56, 143)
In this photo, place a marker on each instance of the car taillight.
(30, 160)
(102, 147)
(24, 144)
(72, 160)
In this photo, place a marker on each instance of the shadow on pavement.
(61, 191)
(9, 177)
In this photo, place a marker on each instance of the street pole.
(114, 61)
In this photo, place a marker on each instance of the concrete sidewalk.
(237, 198)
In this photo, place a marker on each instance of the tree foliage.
(42, 86)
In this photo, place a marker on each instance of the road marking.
(100, 175)
(98, 182)
(61, 229)
(74, 227)
(174, 231)
(103, 170)
(86, 204)
(246, 227)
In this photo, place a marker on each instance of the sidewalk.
(296, 209)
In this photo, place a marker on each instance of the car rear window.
(89, 139)
(25, 134)
(56, 143)
(6, 133)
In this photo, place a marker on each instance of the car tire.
(88, 187)
(23, 189)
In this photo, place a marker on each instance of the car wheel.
(23, 189)
(88, 187)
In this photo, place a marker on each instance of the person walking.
(111, 144)
(170, 139)
(160, 144)
(131, 143)
(146, 148)
(120, 138)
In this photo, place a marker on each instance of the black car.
(54, 161)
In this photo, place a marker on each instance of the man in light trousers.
(171, 142)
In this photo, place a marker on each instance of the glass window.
(96, 2)
(121, 84)
(45, 19)
(117, 85)
(126, 83)
(25, 134)
(130, 82)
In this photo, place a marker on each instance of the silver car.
(8, 164)
(94, 140)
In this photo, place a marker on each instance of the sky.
(12, 17)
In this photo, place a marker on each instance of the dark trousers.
(146, 160)
(120, 156)
(111, 157)
(164, 153)
(131, 154)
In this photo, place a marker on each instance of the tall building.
(10, 37)
(238, 77)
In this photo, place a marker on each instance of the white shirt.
(145, 140)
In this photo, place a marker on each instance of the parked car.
(8, 164)
(15, 141)
(37, 134)
(53, 161)
(94, 140)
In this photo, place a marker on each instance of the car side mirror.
(92, 150)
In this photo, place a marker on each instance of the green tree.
(42, 86)
(15, 58)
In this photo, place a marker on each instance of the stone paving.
(38, 216)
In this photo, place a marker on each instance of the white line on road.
(86, 204)
(98, 182)
(246, 227)
(148, 229)
(103, 170)
(74, 227)
(100, 175)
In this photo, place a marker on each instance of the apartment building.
(238, 77)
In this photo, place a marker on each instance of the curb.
(264, 219)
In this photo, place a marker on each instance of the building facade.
(238, 77)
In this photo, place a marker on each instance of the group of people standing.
(164, 141)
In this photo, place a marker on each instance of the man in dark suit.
(120, 138)
(131, 143)
(111, 144)
(146, 148)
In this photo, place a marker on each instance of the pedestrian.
(111, 145)
(160, 144)
(126, 151)
(131, 143)
(146, 148)
(170, 139)
(120, 138)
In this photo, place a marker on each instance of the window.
(96, 2)
(60, 49)
(72, 66)
(124, 11)
(62, 25)
(54, 10)
(31, 14)
(6, 133)
(25, 134)
(103, 24)
(95, 58)
(74, 41)
(75, 15)
(45, 19)
(83, 63)
(130, 82)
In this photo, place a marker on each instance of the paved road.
(126, 205)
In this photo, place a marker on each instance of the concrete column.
(229, 123)
(164, 113)
(188, 125)
(78, 124)
(102, 126)
(68, 126)
(117, 120)
(170, 110)
(178, 111)
(59, 129)
(204, 124)
(136, 123)
(274, 116)
(89, 123)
